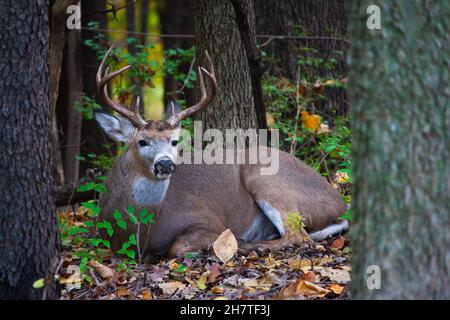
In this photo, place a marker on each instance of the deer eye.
(174, 142)
(143, 143)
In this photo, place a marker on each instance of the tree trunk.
(92, 136)
(58, 39)
(28, 228)
(74, 120)
(324, 19)
(401, 133)
(217, 31)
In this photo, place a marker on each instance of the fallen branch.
(67, 195)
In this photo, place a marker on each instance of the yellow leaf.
(217, 290)
(38, 283)
(310, 121)
(341, 177)
(337, 289)
(303, 288)
(225, 246)
(201, 282)
(270, 120)
(122, 292)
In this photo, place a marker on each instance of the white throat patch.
(149, 192)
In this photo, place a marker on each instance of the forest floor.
(319, 270)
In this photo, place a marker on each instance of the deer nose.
(164, 166)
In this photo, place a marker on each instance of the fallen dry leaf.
(122, 292)
(169, 288)
(146, 295)
(225, 246)
(201, 282)
(301, 289)
(338, 243)
(309, 276)
(104, 271)
(337, 289)
(335, 275)
(214, 273)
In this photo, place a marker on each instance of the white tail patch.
(332, 229)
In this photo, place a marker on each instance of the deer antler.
(175, 119)
(102, 80)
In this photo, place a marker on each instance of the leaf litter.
(319, 270)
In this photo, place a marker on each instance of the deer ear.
(172, 108)
(117, 128)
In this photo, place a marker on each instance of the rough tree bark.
(245, 19)
(217, 31)
(315, 18)
(401, 132)
(28, 229)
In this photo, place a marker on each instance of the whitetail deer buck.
(201, 201)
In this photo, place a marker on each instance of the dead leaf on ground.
(169, 288)
(122, 292)
(337, 289)
(214, 273)
(301, 289)
(309, 276)
(225, 246)
(338, 243)
(201, 282)
(145, 295)
(335, 275)
(103, 271)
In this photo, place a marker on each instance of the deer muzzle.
(164, 167)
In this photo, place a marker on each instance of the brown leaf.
(337, 289)
(303, 288)
(122, 292)
(104, 271)
(338, 243)
(214, 273)
(145, 295)
(170, 288)
(309, 276)
(225, 246)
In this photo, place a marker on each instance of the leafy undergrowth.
(318, 270)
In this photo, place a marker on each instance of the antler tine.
(205, 99)
(102, 80)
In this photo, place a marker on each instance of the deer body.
(199, 201)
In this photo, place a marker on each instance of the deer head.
(152, 143)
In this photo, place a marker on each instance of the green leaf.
(131, 254)
(86, 187)
(107, 244)
(132, 239)
(38, 283)
(117, 215)
(122, 224)
(92, 206)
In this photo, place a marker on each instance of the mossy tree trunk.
(399, 88)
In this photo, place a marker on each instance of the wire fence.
(269, 37)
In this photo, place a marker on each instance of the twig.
(185, 81)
